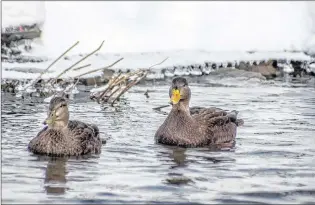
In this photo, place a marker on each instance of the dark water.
(273, 160)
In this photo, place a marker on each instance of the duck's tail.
(233, 117)
(239, 122)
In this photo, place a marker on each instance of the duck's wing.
(88, 136)
(218, 125)
(80, 139)
(232, 114)
(33, 144)
(197, 110)
(80, 128)
(38, 144)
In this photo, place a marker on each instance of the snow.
(312, 68)
(19, 12)
(153, 26)
(160, 26)
(288, 68)
(145, 33)
(145, 60)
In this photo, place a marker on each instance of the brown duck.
(63, 137)
(196, 126)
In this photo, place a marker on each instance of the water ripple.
(272, 162)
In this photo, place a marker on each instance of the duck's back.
(179, 129)
(78, 139)
(216, 124)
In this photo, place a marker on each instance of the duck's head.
(179, 91)
(58, 114)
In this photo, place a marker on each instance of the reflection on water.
(178, 156)
(55, 176)
(271, 162)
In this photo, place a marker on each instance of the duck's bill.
(175, 96)
(48, 121)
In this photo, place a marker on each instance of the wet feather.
(76, 138)
(197, 126)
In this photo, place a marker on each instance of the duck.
(195, 126)
(64, 137)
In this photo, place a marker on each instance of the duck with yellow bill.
(195, 126)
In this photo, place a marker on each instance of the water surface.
(273, 160)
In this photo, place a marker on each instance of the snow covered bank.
(179, 60)
(160, 26)
(145, 33)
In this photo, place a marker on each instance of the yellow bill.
(50, 120)
(175, 96)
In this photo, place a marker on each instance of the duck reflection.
(178, 157)
(180, 161)
(55, 175)
(55, 181)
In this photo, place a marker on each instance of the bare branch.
(160, 107)
(84, 66)
(121, 83)
(118, 88)
(64, 90)
(128, 87)
(98, 69)
(82, 59)
(158, 63)
(40, 75)
(110, 83)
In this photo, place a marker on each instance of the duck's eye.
(53, 113)
(62, 105)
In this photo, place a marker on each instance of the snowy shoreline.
(258, 65)
(208, 25)
(24, 78)
(177, 60)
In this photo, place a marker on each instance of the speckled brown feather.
(176, 129)
(216, 125)
(205, 126)
(196, 126)
(76, 139)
